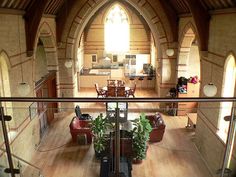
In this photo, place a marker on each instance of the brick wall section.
(222, 41)
(27, 130)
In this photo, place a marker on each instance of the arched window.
(227, 91)
(116, 30)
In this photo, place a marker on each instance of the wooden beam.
(62, 15)
(172, 18)
(201, 18)
(32, 20)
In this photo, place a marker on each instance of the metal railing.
(129, 100)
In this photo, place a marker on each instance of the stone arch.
(46, 35)
(47, 38)
(187, 37)
(74, 28)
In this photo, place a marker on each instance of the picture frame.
(94, 58)
(33, 109)
(114, 58)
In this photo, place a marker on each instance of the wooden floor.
(174, 156)
(134, 107)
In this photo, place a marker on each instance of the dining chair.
(131, 91)
(111, 82)
(111, 91)
(121, 91)
(120, 83)
(100, 92)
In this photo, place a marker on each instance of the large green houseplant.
(99, 126)
(141, 131)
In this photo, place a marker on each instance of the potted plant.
(99, 126)
(141, 131)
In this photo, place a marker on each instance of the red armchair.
(80, 127)
(158, 127)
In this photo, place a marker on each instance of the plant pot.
(99, 155)
(137, 161)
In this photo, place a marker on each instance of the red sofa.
(158, 127)
(80, 127)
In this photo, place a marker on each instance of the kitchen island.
(88, 79)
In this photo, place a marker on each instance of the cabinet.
(188, 107)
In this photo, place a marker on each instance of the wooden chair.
(120, 83)
(121, 91)
(111, 91)
(111, 82)
(100, 92)
(131, 91)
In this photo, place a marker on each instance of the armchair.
(80, 127)
(158, 127)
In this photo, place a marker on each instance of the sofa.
(158, 127)
(80, 128)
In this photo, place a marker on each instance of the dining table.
(105, 88)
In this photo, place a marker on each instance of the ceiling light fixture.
(23, 88)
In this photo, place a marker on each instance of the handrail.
(117, 99)
(17, 157)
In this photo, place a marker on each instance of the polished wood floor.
(134, 107)
(174, 156)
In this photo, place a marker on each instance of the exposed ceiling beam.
(201, 18)
(32, 20)
(62, 15)
(172, 17)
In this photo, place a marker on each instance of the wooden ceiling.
(35, 9)
(53, 6)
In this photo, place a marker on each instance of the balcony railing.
(26, 110)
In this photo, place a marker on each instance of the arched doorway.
(188, 69)
(189, 58)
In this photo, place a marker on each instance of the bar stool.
(141, 78)
(149, 81)
(131, 80)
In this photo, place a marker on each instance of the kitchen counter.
(95, 72)
(139, 75)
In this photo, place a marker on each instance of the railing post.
(7, 144)
(117, 142)
(229, 143)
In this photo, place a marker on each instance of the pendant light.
(23, 88)
(68, 63)
(210, 89)
(170, 52)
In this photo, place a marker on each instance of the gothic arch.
(123, 8)
(79, 17)
(46, 35)
(188, 35)
(82, 17)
